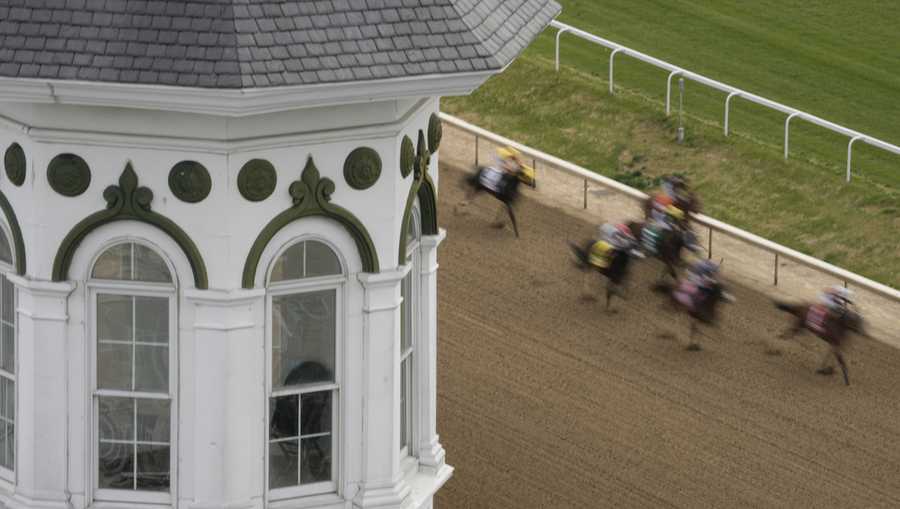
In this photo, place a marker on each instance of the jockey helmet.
(675, 212)
(507, 152)
(706, 268)
(839, 295)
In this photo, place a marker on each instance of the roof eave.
(236, 102)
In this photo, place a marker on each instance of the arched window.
(304, 338)
(132, 293)
(7, 361)
(408, 326)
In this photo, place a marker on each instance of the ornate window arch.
(304, 339)
(8, 347)
(132, 288)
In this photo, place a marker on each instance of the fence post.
(850, 153)
(727, 107)
(476, 150)
(534, 167)
(558, 34)
(776, 269)
(669, 91)
(787, 131)
(709, 251)
(585, 194)
(612, 57)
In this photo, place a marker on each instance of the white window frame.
(6, 270)
(291, 287)
(95, 287)
(408, 455)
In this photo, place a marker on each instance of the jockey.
(509, 161)
(612, 238)
(836, 299)
(702, 277)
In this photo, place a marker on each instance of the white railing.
(732, 92)
(708, 222)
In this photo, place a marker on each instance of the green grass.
(836, 60)
(801, 203)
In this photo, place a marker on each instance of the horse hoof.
(693, 347)
(825, 371)
(498, 225)
(589, 298)
(773, 351)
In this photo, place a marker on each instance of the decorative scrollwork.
(407, 156)
(68, 175)
(435, 133)
(362, 168)
(15, 163)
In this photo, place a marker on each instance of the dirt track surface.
(544, 400)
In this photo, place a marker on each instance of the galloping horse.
(669, 247)
(701, 307)
(833, 328)
(500, 184)
(614, 268)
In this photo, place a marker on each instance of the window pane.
(283, 464)
(8, 358)
(149, 266)
(404, 403)
(10, 446)
(406, 313)
(3, 383)
(9, 301)
(151, 319)
(290, 264)
(153, 467)
(10, 400)
(153, 420)
(151, 368)
(116, 418)
(4, 461)
(283, 417)
(321, 260)
(114, 317)
(115, 466)
(315, 413)
(114, 263)
(114, 366)
(5, 249)
(303, 337)
(315, 459)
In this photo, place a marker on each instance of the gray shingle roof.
(262, 43)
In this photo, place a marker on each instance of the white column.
(381, 483)
(42, 388)
(226, 409)
(430, 451)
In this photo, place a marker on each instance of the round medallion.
(362, 168)
(257, 179)
(189, 181)
(68, 175)
(435, 133)
(14, 162)
(407, 156)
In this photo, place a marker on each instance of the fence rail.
(711, 224)
(792, 113)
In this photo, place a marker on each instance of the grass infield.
(743, 179)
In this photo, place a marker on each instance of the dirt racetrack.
(544, 400)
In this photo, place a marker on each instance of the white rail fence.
(674, 70)
(711, 224)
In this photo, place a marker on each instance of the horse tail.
(788, 308)
(843, 364)
(471, 181)
(664, 287)
(581, 255)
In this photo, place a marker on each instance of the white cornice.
(235, 102)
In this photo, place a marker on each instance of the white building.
(218, 246)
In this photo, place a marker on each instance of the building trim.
(18, 241)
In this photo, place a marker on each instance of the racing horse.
(498, 183)
(614, 266)
(701, 305)
(833, 328)
(668, 247)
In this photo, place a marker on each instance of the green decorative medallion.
(362, 168)
(407, 156)
(14, 161)
(132, 202)
(435, 133)
(257, 179)
(189, 181)
(68, 175)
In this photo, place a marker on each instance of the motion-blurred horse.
(832, 327)
(608, 261)
(667, 246)
(701, 304)
(500, 184)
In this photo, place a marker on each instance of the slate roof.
(262, 43)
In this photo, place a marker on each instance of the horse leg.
(693, 346)
(512, 217)
(840, 358)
